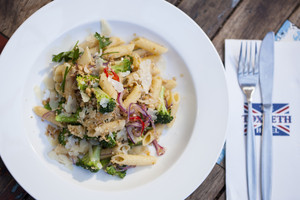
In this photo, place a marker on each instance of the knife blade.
(266, 72)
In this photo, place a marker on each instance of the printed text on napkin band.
(281, 118)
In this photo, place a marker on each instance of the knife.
(266, 71)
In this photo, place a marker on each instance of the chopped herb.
(64, 80)
(109, 53)
(103, 41)
(68, 55)
(62, 137)
(47, 106)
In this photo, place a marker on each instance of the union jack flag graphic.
(281, 118)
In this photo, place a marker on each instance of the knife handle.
(266, 154)
(251, 160)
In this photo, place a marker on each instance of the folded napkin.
(286, 124)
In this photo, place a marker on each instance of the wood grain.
(253, 19)
(209, 15)
(14, 13)
(212, 185)
(9, 188)
(295, 17)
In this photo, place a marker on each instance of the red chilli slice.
(137, 118)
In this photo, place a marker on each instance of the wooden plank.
(295, 17)
(253, 19)
(14, 13)
(209, 15)
(9, 188)
(212, 185)
(174, 2)
(223, 196)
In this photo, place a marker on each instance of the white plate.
(193, 144)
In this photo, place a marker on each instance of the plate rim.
(56, 3)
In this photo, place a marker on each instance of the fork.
(248, 79)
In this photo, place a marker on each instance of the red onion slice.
(159, 149)
(120, 102)
(130, 135)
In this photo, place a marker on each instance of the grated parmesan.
(71, 105)
(145, 75)
(104, 102)
(116, 84)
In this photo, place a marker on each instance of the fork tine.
(240, 68)
(250, 66)
(256, 60)
(246, 60)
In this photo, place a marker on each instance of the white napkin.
(286, 124)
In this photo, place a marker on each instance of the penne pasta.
(47, 115)
(137, 160)
(175, 101)
(155, 89)
(134, 95)
(105, 128)
(118, 51)
(107, 86)
(150, 46)
(169, 84)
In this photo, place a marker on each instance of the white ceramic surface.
(194, 142)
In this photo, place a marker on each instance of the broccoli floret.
(113, 171)
(91, 160)
(109, 142)
(71, 119)
(106, 103)
(163, 115)
(123, 66)
(62, 136)
(84, 81)
(105, 162)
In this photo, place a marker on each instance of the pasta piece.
(155, 70)
(175, 102)
(141, 52)
(122, 148)
(169, 84)
(86, 58)
(105, 128)
(150, 46)
(134, 95)
(60, 149)
(115, 41)
(90, 42)
(148, 138)
(107, 87)
(70, 84)
(107, 153)
(47, 115)
(118, 51)
(138, 160)
(139, 150)
(155, 89)
(94, 50)
(153, 58)
(136, 61)
(59, 73)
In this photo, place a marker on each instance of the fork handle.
(251, 158)
(266, 154)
